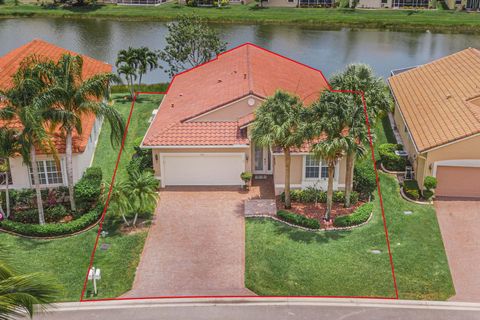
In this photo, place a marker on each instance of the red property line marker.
(92, 256)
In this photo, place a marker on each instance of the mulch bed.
(317, 211)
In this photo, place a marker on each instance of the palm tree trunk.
(69, 165)
(7, 193)
(288, 203)
(331, 170)
(36, 183)
(132, 89)
(349, 179)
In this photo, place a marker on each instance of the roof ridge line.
(249, 71)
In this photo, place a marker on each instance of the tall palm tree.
(69, 96)
(326, 126)
(147, 60)
(8, 149)
(360, 77)
(22, 106)
(278, 123)
(20, 293)
(127, 64)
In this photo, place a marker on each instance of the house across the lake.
(52, 173)
(437, 114)
(201, 132)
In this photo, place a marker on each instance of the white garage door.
(203, 169)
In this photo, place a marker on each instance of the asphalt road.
(265, 309)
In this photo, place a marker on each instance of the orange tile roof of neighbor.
(438, 100)
(10, 62)
(240, 72)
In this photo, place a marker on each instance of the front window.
(48, 172)
(314, 168)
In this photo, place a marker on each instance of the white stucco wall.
(81, 161)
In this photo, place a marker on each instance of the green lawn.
(66, 260)
(285, 261)
(434, 20)
(106, 155)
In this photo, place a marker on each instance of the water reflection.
(328, 50)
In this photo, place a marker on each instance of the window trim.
(320, 166)
(44, 163)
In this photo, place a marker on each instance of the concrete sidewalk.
(264, 309)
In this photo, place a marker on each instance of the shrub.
(88, 188)
(430, 182)
(364, 179)
(390, 160)
(411, 189)
(427, 194)
(312, 195)
(52, 229)
(55, 214)
(141, 159)
(246, 176)
(25, 216)
(298, 220)
(359, 216)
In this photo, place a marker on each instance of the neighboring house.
(299, 3)
(437, 114)
(52, 173)
(200, 134)
(397, 4)
(210, 3)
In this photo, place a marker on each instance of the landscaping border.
(404, 196)
(53, 237)
(388, 171)
(312, 230)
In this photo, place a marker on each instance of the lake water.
(328, 50)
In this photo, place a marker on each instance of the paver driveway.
(460, 224)
(196, 245)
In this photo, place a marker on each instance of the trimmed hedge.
(298, 220)
(88, 188)
(52, 214)
(311, 195)
(411, 189)
(390, 160)
(52, 229)
(364, 179)
(359, 216)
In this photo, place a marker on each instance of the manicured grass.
(66, 260)
(106, 155)
(281, 260)
(434, 20)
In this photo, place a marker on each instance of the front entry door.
(263, 160)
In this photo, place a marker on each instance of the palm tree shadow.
(309, 237)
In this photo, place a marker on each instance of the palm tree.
(68, 97)
(21, 106)
(360, 77)
(8, 149)
(278, 123)
(19, 293)
(326, 126)
(127, 64)
(147, 60)
(135, 195)
(142, 190)
(119, 203)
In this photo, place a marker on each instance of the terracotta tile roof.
(240, 72)
(203, 133)
(10, 62)
(434, 99)
(243, 121)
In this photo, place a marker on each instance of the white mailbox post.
(94, 275)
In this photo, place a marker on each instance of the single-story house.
(52, 173)
(437, 114)
(201, 132)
